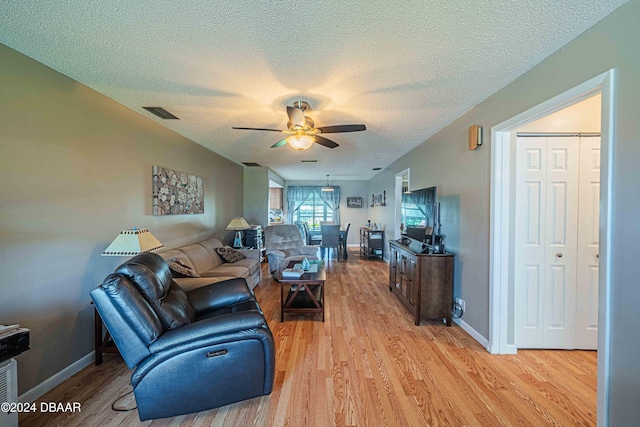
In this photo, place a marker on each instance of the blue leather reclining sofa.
(191, 351)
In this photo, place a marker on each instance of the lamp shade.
(133, 242)
(238, 223)
(300, 142)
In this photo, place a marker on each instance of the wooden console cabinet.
(422, 281)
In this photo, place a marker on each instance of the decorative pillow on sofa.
(229, 254)
(183, 267)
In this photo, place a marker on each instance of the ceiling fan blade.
(325, 142)
(271, 130)
(296, 116)
(342, 128)
(279, 143)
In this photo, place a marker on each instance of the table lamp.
(238, 224)
(133, 242)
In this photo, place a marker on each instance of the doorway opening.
(501, 327)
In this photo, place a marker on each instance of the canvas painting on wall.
(176, 193)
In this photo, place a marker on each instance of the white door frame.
(501, 238)
(398, 198)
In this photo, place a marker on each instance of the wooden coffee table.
(303, 294)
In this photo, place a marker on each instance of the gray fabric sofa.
(283, 243)
(210, 267)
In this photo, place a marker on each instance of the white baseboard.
(474, 334)
(51, 382)
(512, 349)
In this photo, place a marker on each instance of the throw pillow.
(229, 254)
(183, 267)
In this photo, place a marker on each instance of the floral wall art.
(176, 193)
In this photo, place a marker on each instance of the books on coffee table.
(292, 273)
(313, 268)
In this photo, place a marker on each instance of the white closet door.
(588, 245)
(561, 242)
(546, 242)
(531, 169)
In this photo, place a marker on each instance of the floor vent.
(161, 112)
(8, 391)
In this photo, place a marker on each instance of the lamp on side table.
(128, 243)
(238, 224)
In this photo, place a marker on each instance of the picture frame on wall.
(354, 202)
(176, 193)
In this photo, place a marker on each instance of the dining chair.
(313, 237)
(303, 230)
(330, 238)
(343, 240)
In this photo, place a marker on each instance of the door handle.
(559, 255)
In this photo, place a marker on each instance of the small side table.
(103, 344)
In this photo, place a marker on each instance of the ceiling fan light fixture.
(300, 142)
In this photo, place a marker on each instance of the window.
(412, 215)
(312, 211)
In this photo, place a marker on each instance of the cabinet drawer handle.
(559, 254)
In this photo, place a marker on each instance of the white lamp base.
(237, 241)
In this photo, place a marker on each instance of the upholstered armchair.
(190, 351)
(283, 243)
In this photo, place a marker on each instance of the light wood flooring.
(367, 365)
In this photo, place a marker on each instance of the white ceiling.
(403, 68)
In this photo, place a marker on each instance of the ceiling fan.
(303, 131)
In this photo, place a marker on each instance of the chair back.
(346, 232)
(283, 237)
(330, 236)
(301, 227)
(307, 234)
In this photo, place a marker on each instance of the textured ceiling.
(403, 68)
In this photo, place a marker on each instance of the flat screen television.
(419, 214)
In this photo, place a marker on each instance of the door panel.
(561, 242)
(546, 242)
(530, 231)
(588, 245)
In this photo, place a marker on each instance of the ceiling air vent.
(376, 169)
(251, 164)
(309, 161)
(161, 112)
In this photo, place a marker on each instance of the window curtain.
(296, 196)
(332, 200)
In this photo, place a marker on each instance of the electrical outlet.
(461, 303)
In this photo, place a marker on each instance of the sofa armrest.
(250, 253)
(221, 294)
(203, 332)
(309, 250)
(276, 253)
